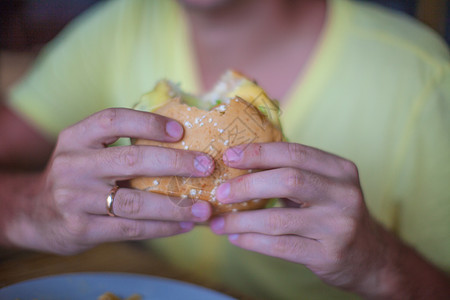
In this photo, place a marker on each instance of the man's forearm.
(16, 204)
(407, 275)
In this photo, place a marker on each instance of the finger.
(105, 127)
(297, 185)
(273, 221)
(125, 162)
(108, 229)
(278, 155)
(136, 204)
(292, 248)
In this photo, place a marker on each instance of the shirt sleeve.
(423, 184)
(67, 82)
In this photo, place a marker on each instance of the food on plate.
(236, 112)
(111, 296)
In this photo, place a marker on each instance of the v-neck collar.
(308, 81)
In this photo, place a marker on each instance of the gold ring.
(110, 201)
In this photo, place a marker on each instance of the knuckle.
(154, 123)
(293, 180)
(345, 228)
(70, 238)
(129, 156)
(350, 168)
(276, 223)
(351, 226)
(76, 227)
(354, 197)
(69, 135)
(297, 153)
(64, 136)
(175, 160)
(63, 198)
(333, 258)
(246, 185)
(107, 118)
(132, 230)
(60, 165)
(286, 246)
(129, 203)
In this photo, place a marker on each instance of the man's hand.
(63, 210)
(325, 224)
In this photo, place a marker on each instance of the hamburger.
(236, 111)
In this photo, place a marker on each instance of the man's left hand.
(325, 225)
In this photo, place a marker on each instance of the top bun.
(235, 112)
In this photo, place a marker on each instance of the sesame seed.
(213, 191)
(209, 120)
(188, 124)
(222, 108)
(215, 124)
(155, 182)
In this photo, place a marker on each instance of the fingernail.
(233, 154)
(186, 226)
(217, 224)
(203, 163)
(200, 210)
(223, 191)
(233, 237)
(174, 129)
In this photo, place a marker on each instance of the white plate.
(92, 285)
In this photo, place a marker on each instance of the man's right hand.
(63, 210)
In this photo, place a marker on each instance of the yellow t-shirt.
(377, 92)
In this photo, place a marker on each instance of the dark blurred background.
(29, 23)
(26, 25)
